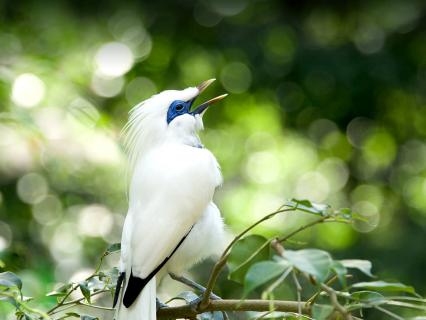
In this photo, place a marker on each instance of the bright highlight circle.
(114, 59)
(28, 90)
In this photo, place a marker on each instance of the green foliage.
(314, 262)
(362, 265)
(261, 273)
(244, 254)
(113, 248)
(385, 286)
(321, 312)
(252, 265)
(10, 280)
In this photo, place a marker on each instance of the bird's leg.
(159, 304)
(192, 285)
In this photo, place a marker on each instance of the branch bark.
(188, 311)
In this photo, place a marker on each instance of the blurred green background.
(327, 102)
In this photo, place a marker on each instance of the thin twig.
(192, 284)
(312, 299)
(72, 303)
(306, 226)
(278, 281)
(390, 314)
(335, 302)
(62, 302)
(299, 292)
(95, 306)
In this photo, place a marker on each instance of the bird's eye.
(179, 107)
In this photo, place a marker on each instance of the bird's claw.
(195, 303)
(159, 304)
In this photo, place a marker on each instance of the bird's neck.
(184, 131)
(183, 136)
(157, 134)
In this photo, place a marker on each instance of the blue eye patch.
(178, 108)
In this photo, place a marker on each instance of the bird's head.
(169, 115)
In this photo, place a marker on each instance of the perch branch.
(188, 311)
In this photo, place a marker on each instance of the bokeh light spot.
(114, 59)
(369, 38)
(236, 77)
(370, 215)
(107, 87)
(313, 186)
(280, 45)
(95, 221)
(28, 90)
(358, 129)
(48, 211)
(263, 167)
(32, 188)
(5, 235)
(380, 149)
(139, 89)
(336, 171)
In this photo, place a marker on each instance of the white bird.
(172, 222)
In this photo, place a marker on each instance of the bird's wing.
(170, 189)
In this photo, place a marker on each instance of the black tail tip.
(117, 288)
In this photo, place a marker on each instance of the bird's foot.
(195, 303)
(159, 304)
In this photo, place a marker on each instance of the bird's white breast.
(172, 186)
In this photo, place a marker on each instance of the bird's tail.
(144, 307)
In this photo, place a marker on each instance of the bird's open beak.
(203, 107)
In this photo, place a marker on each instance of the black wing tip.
(135, 284)
(118, 288)
(134, 288)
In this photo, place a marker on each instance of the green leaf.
(385, 286)
(262, 272)
(61, 291)
(321, 311)
(85, 290)
(10, 280)
(13, 301)
(244, 254)
(341, 271)
(113, 248)
(368, 297)
(313, 261)
(309, 207)
(362, 265)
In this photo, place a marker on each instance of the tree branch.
(188, 311)
(335, 302)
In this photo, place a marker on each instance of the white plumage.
(172, 182)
